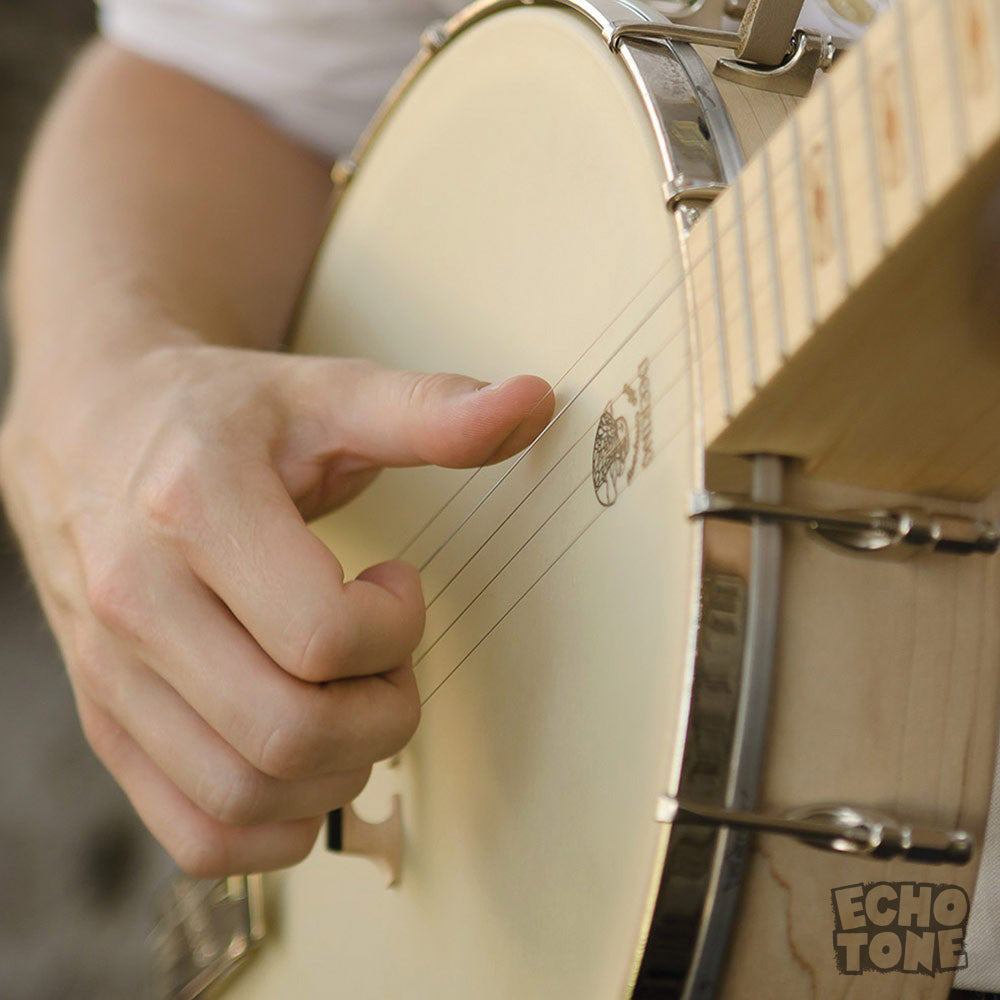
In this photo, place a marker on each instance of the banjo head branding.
(624, 440)
(915, 927)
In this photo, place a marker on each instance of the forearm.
(155, 208)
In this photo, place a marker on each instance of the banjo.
(687, 698)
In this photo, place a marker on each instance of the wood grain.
(885, 695)
(876, 190)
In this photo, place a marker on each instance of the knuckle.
(232, 794)
(114, 595)
(92, 667)
(407, 720)
(329, 648)
(101, 736)
(420, 389)
(291, 751)
(203, 856)
(169, 498)
(95, 675)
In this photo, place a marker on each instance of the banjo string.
(586, 433)
(747, 247)
(732, 227)
(495, 625)
(562, 412)
(665, 393)
(551, 392)
(773, 173)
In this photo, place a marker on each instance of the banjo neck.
(841, 264)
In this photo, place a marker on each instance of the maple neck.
(885, 139)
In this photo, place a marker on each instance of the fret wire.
(777, 291)
(750, 327)
(720, 312)
(873, 168)
(839, 210)
(776, 272)
(910, 101)
(950, 43)
(807, 270)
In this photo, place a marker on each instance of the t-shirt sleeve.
(315, 68)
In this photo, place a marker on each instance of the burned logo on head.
(624, 440)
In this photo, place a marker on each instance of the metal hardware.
(701, 156)
(728, 676)
(765, 26)
(435, 37)
(698, 145)
(677, 8)
(207, 928)
(648, 31)
(808, 53)
(840, 828)
(901, 531)
(342, 172)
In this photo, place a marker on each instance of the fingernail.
(493, 386)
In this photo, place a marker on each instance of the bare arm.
(158, 472)
(149, 193)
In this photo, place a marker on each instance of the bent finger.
(210, 772)
(200, 845)
(285, 727)
(252, 548)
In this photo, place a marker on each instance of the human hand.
(225, 673)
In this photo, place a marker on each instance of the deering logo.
(618, 450)
(899, 927)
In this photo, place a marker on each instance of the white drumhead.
(510, 219)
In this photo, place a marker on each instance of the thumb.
(394, 418)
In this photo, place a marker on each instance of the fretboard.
(860, 191)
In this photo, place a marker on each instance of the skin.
(159, 461)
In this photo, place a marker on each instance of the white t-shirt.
(318, 69)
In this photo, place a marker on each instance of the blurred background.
(78, 872)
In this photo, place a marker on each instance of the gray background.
(77, 869)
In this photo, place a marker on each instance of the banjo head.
(509, 216)
(597, 667)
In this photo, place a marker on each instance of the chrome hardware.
(677, 8)
(651, 31)
(435, 36)
(342, 172)
(901, 531)
(206, 929)
(697, 142)
(840, 828)
(808, 53)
